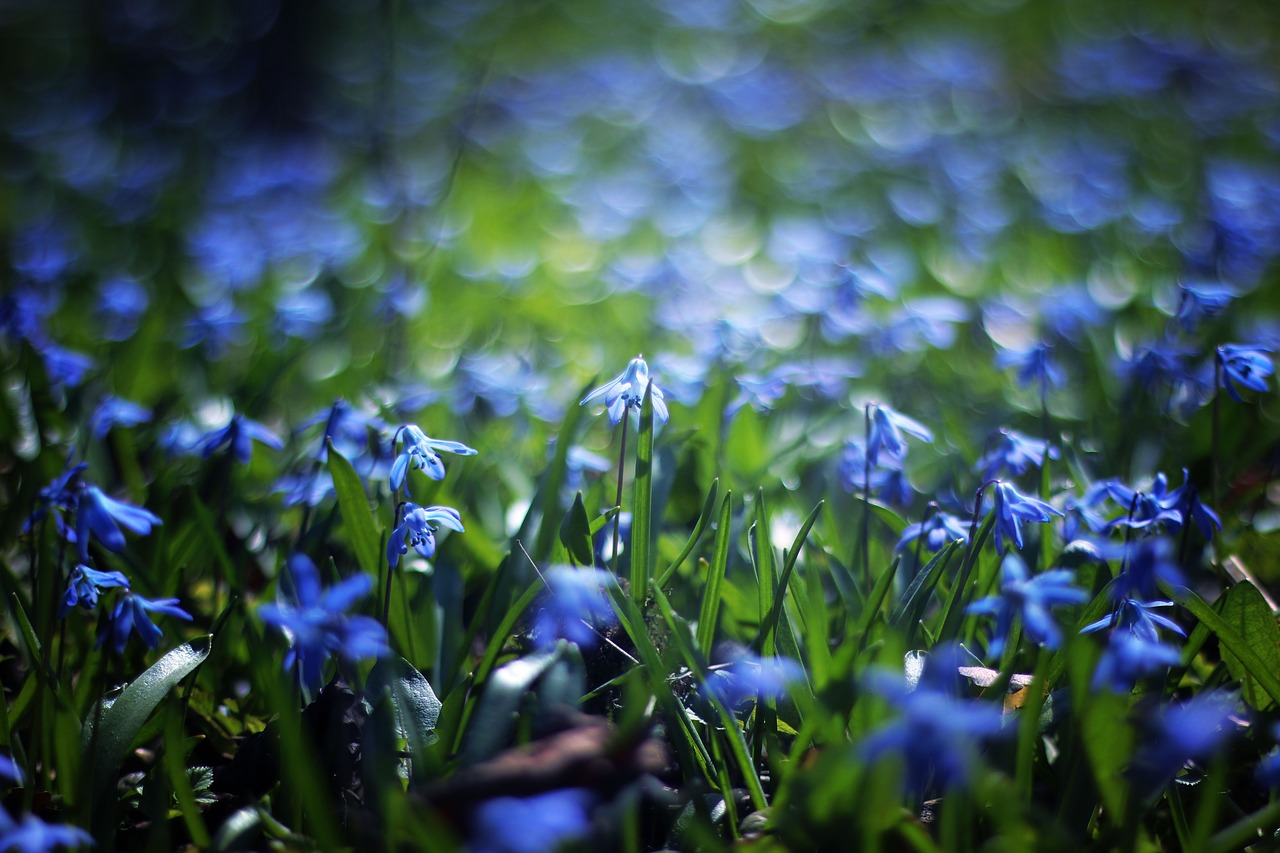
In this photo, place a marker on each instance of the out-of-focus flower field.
(670, 425)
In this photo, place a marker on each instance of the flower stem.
(1213, 434)
(866, 497)
(617, 519)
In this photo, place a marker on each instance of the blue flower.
(1246, 365)
(1031, 598)
(1011, 509)
(101, 516)
(32, 835)
(121, 304)
(115, 411)
(748, 676)
(10, 772)
(316, 622)
(1134, 649)
(1187, 500)
(1137, 618)
(1147, 562)
(626, 391)
(534, 824)
(1156, 506)
(1194, 729)
(415, 530)
(1160, 363)
(1016, 454)
(84, 586)
(65, 367)
(238, 436)
(1201, 300)
(886, 431)
(421, 452)
(574, 607)
(936, 732)
(886, 480)
(131, 614)
(1269, 767)
(937, 530)
(1034, 366)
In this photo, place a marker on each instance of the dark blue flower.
(748, 676)
(1014, 454)
(1179, 733)
(10, 772)
(1201, 300)
(574, 608)
(238, 436)
(114, 412)
(1269, 767)
(1134, 649)
(218, 327)
(1160, 363)
(533, 824)
(1031, 598)
(84, 586)
(1137, 618)
(101, 516)
(316, 623)
(937, 530)
(1153, 507)
(936, 732)
(65, 367)
(886, 431)
(626, 391)
(1187, 500)
(131, 614)
(1011, 509)
(32, 835)
(1034, 366)
(121, 304)
(422, 452)
(416, 530)
(1244, 365)
(1146, 563)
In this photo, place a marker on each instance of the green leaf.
(706, 631)
(913, 602)
(708, 506)
(357, 518)
(416, 707)
(547, 498)
(642, 503)
(575, 534)
(770, 627)
(109, 729)
(1247, 632)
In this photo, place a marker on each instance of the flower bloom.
(416, 530)
(101, 516)
(574, 606)
(316, 623)
(626, 391)
(131, 614)
(84, 586)
(238, 436)
(545, 821)
(751, 677)
(1034, 366)
(937, 530)
(421, 452)
(116, 411)
(1016, 454)
(32, 835)
(1013, 508)
(1030, 597)
(1245, 365)
(886, 431)
(1133, 649)
(1194, 729)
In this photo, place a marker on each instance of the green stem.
(617, 519)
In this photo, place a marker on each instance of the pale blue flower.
(574, 608)
(937, 530)
(626, 391)
(886, 431)
(749, 676)
(238, 436)
(416, 530)
(421, 452)
(1014, 454)
(114, 412)
(1033, 365)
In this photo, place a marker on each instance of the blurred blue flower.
(1159, 363)
(1154, 507)
(421, 452)
(1179, 733)
(303, 314)
(121, 304)
(1187, 500)
(217, 327)
(101, 516)
(887, 480)
(534, 824)
(1146, 564)
(886, 431)
(131, 614)
(626, 391)
(1081, 510)
(1134, 649)
(1198, 301)
(1138, 619)
(1015, 453)
(937, 530)
(10, 772)
(316, 624)
(32, 835)
(1246, 365)
(84, 586)
(65, 367)
(1011, 509)
(238, 437)
(1031, 598)
(1033, 365)
(1269, 767)
(936, 732)
(114, 412)
(574, 608)
(751, 677)
(416, 530)
(181, 438)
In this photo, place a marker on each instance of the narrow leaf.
(357, 517)
(642, 503)
(715, 578)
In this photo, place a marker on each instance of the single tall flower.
(421, 452)
(1245, 365)
(316, 622)
(416, 530)
(131, 614)
(101, 516)
(1011, 509)
(1156, 506)
(1031, 598)
(626, 391)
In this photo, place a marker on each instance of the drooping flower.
(937, 530)
(886, 431)
(422, 452)
(1155, 506)
(626, 391)
(114, 412)
(1014, 454)
(574, 608)
(937, 733)
(1011, 509)
(32, 835)
(131, 614)
(238, 436)
(1137, 618)
(1201, 300)
(101, 516)
(1034, 366)
(85, 585)
(316, 622)
(1031, 598)
(749, 676)
(1244, 365)
(416, 530)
